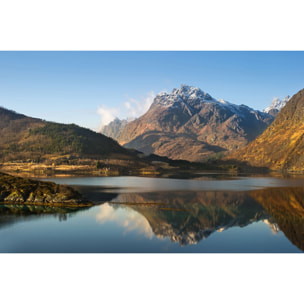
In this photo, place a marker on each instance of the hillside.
(190, 124)
(21, 134)
(281, 145)
(28, 143)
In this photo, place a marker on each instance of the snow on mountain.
(190, 124)
(277, 104)
(194, 98)
(184, 94)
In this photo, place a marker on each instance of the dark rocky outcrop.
(17, 190)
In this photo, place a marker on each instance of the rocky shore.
(17, 190)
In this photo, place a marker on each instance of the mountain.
(190, 124)
(28, 144)
(22, 134)
(276, 106)
(114, 128)
(281, 145)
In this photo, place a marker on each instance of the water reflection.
(149, 221)
(125, 217)
(286, 206)
(10, 214)
(188, 217)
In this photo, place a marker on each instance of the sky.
(77, 87)
(90, 88)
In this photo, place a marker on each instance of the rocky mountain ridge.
(192, 125)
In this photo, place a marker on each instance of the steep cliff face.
(281, 145)
(190, 124)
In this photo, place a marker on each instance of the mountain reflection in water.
(10, 213)
(188, 217)
(286, 207)
(162, 221)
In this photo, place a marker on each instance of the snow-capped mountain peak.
(190, 124)
(183, 94)
(192, 99)
(277, 104)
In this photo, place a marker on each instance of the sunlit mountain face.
(190, 124)
(280, 147)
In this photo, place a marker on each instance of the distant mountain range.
(115, 127)
(190, 124)
(281, 145)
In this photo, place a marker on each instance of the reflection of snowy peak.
(193, 234)
(272, 225)
(189, 217)
(276, 106)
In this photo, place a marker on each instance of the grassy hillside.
(60, 138)
(31, 144)
(281, 146)
(24, 136)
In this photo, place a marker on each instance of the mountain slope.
(190, 124)
(25, 136)
(281, 145)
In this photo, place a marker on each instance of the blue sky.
(86, 87)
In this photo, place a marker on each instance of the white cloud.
(136, 108)
(107, 114)
(130, 109)
(127, 218)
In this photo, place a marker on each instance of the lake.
(208, 214)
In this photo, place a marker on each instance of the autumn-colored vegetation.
(281, 146)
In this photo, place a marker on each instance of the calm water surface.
(158, 215)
